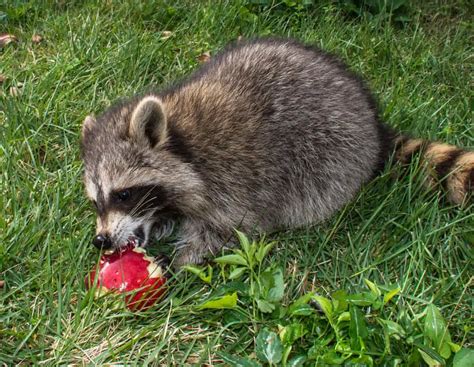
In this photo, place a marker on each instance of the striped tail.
(448, 167)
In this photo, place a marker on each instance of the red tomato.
(130, 271)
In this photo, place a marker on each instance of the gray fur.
(267, 135)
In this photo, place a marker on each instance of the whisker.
(144, 200)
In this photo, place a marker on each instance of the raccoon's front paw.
(164, 262)
(187, 256)
(163, 229)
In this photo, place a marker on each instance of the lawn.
(91, 53)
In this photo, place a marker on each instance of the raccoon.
(269, 134)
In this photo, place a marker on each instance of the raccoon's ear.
(87, 125)
(148, 122)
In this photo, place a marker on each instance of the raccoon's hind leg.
(197, 241)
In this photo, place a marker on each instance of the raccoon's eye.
(123, 195)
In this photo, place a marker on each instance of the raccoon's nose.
(102, 242)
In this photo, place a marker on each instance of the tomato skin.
(129, 271)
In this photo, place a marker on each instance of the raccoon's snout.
(102, 242)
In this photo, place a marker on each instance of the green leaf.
(237, 273)
(436, 330)
(340, 300)
(296, 361)
(234, 316)
(268, 347)
(388, 296)
(404, 320)
(231, 287)
(325, 305)
(454, 347)
(263, 251)
(286, 353)
(290, 333)
(362, 361)
(464, 358)
(265, 306)
(276, 291)
(357, 327)
(233, 259)
(332, 357)
(303, 300)
(301, 310)
(362, 299)
(236, 361)
(392, 328)
(205, 277)
(430, 360)
(300, 307)
(345, 316)
(373, 288)
(378, 303)
(244, 241)
(227, 301)
(272, 285)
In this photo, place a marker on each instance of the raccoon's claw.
(163, 261)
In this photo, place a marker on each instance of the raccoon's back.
(278, 129)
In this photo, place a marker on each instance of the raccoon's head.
(134, 174)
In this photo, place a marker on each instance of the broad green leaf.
(275, 293)
(388, 296)
(362, 361)
(227, 301)
(231, 260)
(231, 287)
(237, 273)
(320, 346)
(464, 358)
(286, 353)
(378, 303)
(290, 333)
(373, 287)
(263, 251)
(429, 355)
(296, 361)
(244, 241)
(436, 330)
(304, 299)
(340, 300)
(430, 361)
(345, 316)
(326, 306)
(357, 327)
(301, 310)
(236, 361)
(251, 253)
(332, 357)
(272, 285)
(265, 306)
(392, 328)
(454, 347)
(405, 321)
(268, 347)
(235, 316)
(205, 277)
(362, 299)
(344, 347)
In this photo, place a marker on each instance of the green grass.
(393, 233)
